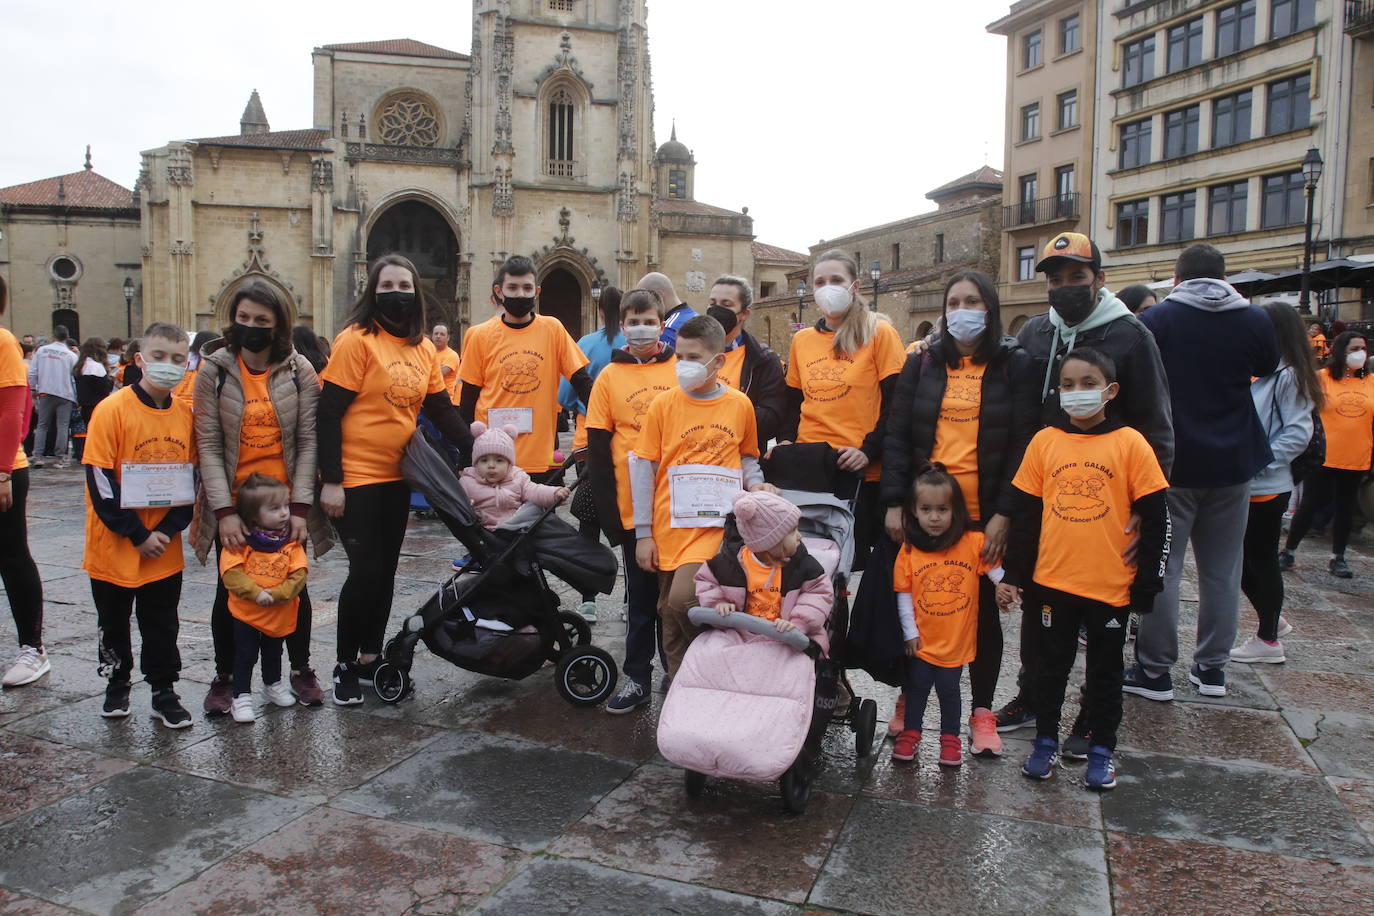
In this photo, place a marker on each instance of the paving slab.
(1320, 689)
(649, 825)
(897, 858)
(13, 904)
(1341, 743)
(1243, 687)
(1211, 732)
(555, 885)
(331, 861)
(137, 737)
(1358, 796)
(121, 843)
(34, 773)
(493, 789)
(1233, 805)
(1348, 656)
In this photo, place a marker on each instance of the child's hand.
(561, 494)
(725, 609)
(765, 488)
(646, 554)
(911, 646)
(782, 626)
(154, 545)
(1007, 596)
(265, 598)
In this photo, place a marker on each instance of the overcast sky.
(821, 122)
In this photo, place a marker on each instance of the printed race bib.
(522, 418)
(149, 486)
(700, 495)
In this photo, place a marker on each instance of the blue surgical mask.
(165, 375)
(966, 325)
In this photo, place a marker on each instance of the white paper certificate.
(522, 418)
(148, 486)
(700, 494)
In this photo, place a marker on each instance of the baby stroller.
(752, 703)
(498, 616)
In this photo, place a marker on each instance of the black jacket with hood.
(761, 379)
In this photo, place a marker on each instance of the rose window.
(408, 121)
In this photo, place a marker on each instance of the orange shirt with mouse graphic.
(260, 449)
(944, 594)
(841, 400)
(520, 368)
(126, 431)
(13, 374)
(619, 403)
(1348, 419)
(680, 429)
(391, 379)
(1088, 484)
(762, 588)
(268, 570)
(956, 430)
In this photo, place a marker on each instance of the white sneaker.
(279, 694)
(62, 464)
(1257, 650)
(28, 667)
(588, 611)
(242, 709)
(1284, 626)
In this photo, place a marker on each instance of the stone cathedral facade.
(539, 142)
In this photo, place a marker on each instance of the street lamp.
(129, 306)
(1311, 174)
(876, 273)
(596, 291)
(801, 296)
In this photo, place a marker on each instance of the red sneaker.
(904, 748)
(897, 724)
(307, 688)
(951, 751)
(983, 740)
(220, 696)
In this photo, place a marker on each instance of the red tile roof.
(692, 208)
(79, 189)
(406, 47)
(765, 252)
(276, 139)
(983, 177)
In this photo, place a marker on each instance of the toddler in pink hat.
(494, 485)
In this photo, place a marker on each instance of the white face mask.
(641, 333)
(165, 375)
(691, 375)
(833, 300)
(1082, 403)
(1355, 359)
(966, 325)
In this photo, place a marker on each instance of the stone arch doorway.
(70, 320)
(561, 296)
(416, 230)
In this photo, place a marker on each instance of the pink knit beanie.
(764, 519)
(498, 442)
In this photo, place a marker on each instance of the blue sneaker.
(461, 562)
(1040, 764)
(631, 695)
(1135, 680)
(1210, 682)
(1101, 772)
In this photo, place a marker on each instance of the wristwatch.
(4, 476)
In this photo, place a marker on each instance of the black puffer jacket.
(1010, 415)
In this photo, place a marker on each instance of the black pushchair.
(498, 616)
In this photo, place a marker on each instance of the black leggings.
(372, 528)
(17, 569)
(1260, 578)
(248, 642)
(222, 630)
(986, 666)
(1328, 485)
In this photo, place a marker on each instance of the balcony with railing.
(561, 168)
(1041, 210)
(1359, 18)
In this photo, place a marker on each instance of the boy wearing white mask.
(698, 446)
(1079, 483)
(140, 486)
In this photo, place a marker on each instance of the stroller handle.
(737, 620)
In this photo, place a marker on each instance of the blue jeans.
(642, 641)
(921, 675)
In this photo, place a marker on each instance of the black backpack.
(1314, 455)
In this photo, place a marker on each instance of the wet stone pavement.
(489, 796)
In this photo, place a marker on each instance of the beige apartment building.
(1051, 70)
(1357, 206)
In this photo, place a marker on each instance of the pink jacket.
(806, 602)
(497, 502)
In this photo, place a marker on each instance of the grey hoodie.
(1209, 295)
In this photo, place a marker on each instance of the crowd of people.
(1060, 471)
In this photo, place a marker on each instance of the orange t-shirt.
(733, 369)
(620, 401)
(391, 379)
(13, 374)
(762, 588)
(1088, 484)
(944, 594)
(185, 391)
(682, 430)
(841, 400)
(448, 358)
(518, 369)
(126, 431)
(956, 430)
(1348, 419)
(260, 449)
(268, 570)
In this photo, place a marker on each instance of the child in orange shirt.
(936, 581)
(264, 579)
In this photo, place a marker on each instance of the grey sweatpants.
(1213, 522)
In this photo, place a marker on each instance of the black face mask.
(727, 318)
(518, 306)
(1073, 303)
(395, 306)
(252, 339)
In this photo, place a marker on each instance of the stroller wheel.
(576, 628)
(585, 675)
(694, 782)
(796, 791)
(865, 725)
(390, 682)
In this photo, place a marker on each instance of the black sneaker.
(168, 710)
(631, 695)
(116, 700)
(1014, 715)
(348, 691)
(1286, 561)
(1136, 681)
(1210, 682)
(366, 671)
(1339, 569)
(1076, 747)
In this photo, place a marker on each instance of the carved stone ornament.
(564, 60)
(627, 208)
(503, 200)
(436, 155)
(322, 175)
(179, 171)
(696, 281)
(255, 263)
(408, 120)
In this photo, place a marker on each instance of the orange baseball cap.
(1070, 246)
